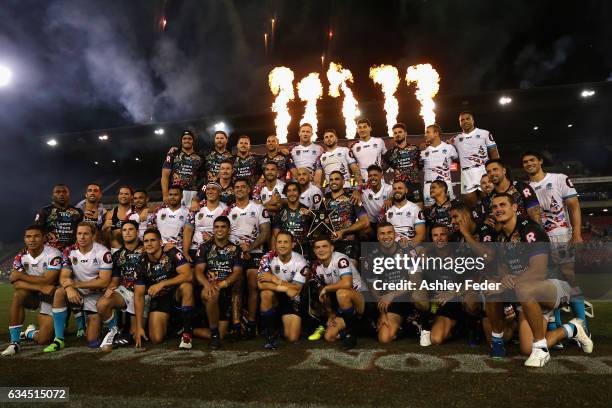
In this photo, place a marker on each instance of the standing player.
(310, 194)
(270, 193)
(404, 159)
(115, 217)
(340, 286)
(217, 156)
(295, 218)
(92, 207)
(561, 219)
(375, 195)
(436, 161)
(246, 164)
(120, 293)
(218, 266)
(182, 168)
(522, 194)
(166, 277)
(474, 147)
(306, 153)
(250, 230)
(406, 217)
(367, 150)
(202, 220)
(283, 161)
(86, 272)
(34, 275)
(525, 272)
(281, 275)
(336, 158)
(140, 212)
(59, 219)
(172, 221)
(347, 219)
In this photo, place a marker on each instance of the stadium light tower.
(587, 93)
(6, 75)
(159, 131)
(52, 142)
(505, 100)
(220, 126)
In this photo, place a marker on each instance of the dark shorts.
(165, 303)
(225, 304)
(415, 192)
(253, 262)
(451, 310)
(286, 305)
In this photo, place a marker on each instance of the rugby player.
(293, 217)
(119, 295)
(438, 213)
(173, 222)
(340, 286)
(306, 153)
(436, 161)
(406, 217)
(367, 150)
(522, 193)
(34, 276)
(404, 160)
(281, 274)
(561, 219)
(140, 212)
(166, 277)
(218, 266)
(347, 219)
(474, 146)
(283, 161)
(92, 207)
(270, 193)
(225, 183)
(394, 305)
(246, 164)
(480, 211)
(217, 156)
(375, 196)
(115, 218)
(203, 219)
(59, 219)
(310, 194)
(86, 272)
(250, 230)
(182, 168)
(525, 272)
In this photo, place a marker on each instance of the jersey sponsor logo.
(252, 214)
(343, 263)
(421, 216)
(316, 198)
(314, 152)
(569, 182)
(530, 237)
(107, 258)
(26, 266)
(358, 148)
(234, 216)
(297, 153)
(55, 261)
(266, 214)
(324, 158)
(526, 192)
(200, 216)
(390, 215)
(304, 271)
(181, 217)
(163, 216)
(490, 136)
(75, 260)
(179, 256)
(461, 139)
(549, 186)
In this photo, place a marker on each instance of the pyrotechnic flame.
(387, 77)
(427, 86)
(281, 85)
(309, 90)
(338, 79)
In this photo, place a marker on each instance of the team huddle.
(246, 245)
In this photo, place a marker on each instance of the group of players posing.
(201, 253)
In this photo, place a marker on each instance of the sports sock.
(14, 331)
(541, 344)
(570, 330)
(31, 334)
(425, 319)
(59, 321)
(558, 321)
(497, 338)
(187, 315)
(112, 321)
(269, 320)
(577, 305)
(349, 316)
(236, 327)
(79, 316)
(552, 322)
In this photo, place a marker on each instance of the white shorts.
(128, 298)
(560, 249)
(428, 201)
(43, 307)
(562, 296)
(470, 179)
(188, 195)
(90, 300)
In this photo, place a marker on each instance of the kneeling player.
(166, 277)
(120, 293)
(34, 275)
(341, 284)
(86, 272)
(281, 276)
(218, 265)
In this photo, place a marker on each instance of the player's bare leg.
(92, 333)
(253, 293)
(158, 326)
(388, 325)
(441, 329)
(292, 326)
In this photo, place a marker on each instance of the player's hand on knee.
(73, 296)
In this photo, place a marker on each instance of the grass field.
(315, 374)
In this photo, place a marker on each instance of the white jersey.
(293, 271)
(405, 219)
(203, 221)
(266, 193)
(306, 156)
(86, 267)
(246, 222)
(50, 259)
(552, 191)
(373, 202)
(436, 162)
(170, 223)
(339, 266)
(473, 148)
(312, 197)
(368, 153)
(142, 224)
(339, 159)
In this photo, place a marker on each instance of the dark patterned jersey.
(405, 162)
(388, 275)
(436, 270)
(61, 222)
(151, 272)
(185, 169)
(213, 161)
(297, 221)
(440, 214)
(248, 167)
(482, 210)
(219, 261)
(125, 265)
(481, 233)
(283, 162)
(523, 195)
(342, 213)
